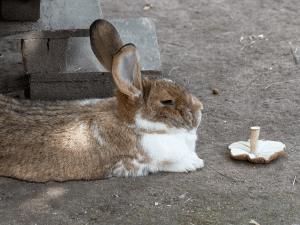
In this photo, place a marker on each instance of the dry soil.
(243, 49)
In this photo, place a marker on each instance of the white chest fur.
(172, 152)
(168, 147)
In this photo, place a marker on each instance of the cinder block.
(44, 55)
(20, 10)
(58, 19)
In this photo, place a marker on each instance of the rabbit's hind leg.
(129, 167)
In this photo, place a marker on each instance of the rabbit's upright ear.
(126, 71)
(105, 42)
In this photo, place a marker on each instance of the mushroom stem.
(254, 139)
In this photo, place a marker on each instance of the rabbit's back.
(56, 142)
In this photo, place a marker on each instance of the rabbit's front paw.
(198, 163)
(188, 164)
(180, 167)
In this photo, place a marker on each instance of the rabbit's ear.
(105, 42)
(126, 71)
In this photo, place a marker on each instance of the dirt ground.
(243, 49)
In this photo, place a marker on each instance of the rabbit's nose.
(196, 103)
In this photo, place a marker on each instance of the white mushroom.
(256, 151)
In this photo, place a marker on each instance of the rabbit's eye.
(167, 102)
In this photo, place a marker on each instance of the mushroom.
(256, 151)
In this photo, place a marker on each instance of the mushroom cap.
(266, 151)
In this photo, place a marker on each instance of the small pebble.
(182, 196)
(215, 91)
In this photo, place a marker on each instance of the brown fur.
(176, 115)
(46, 146)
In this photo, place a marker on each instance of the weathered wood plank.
(73, 86)
(70, 86)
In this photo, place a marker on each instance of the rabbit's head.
(149, 105)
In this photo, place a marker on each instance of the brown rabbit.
(149, 126)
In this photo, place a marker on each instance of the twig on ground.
(225, 175)
(252, 38)
(243, 47)
(252, 42)
(188, 199)
(295, 56)
(241, 42)
(253, 80)
(180, 45)
(294, 181)
(281, 82)
(173, 69)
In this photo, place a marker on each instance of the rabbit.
(149, 126)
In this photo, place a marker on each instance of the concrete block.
(44, 55)
(58, 19)
(20, 10)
